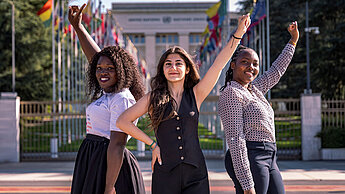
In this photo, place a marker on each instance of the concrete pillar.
(311, 125)
(9, 127)
(150, 50)
(141, 148)
(184, 41)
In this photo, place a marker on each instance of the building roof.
(140, 7)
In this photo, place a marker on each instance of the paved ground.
(300, 177)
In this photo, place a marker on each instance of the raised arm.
(204, 87)
(271, 77)
(125, 123)
(88, 45)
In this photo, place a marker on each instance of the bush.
(332, 137)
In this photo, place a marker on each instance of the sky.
(108, 3)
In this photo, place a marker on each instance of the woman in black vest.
(173, 106)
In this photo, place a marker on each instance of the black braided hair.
(229, 72)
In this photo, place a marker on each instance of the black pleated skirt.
(90, 169)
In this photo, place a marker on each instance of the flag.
(212, 11)
(259, 13)
(212, 33)
(215, 18)
(87, 15)
(45, 13)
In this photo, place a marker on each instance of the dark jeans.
(183, 179)
(263, 166)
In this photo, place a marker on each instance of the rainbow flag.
(45, 13)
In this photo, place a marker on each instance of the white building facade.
(154, 27)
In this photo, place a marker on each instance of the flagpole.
(68, 44)
(263, 46)
(59, 67)
(72, 78)
(79, 95)
(53, 52)
(63, 73)
(13, 50)
(53, 61)
(268, 41)
(53, 140)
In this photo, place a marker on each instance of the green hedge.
(332, 137)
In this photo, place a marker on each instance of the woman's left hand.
(293, 30)
(156, 155)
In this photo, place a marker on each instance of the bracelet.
(292, 43)
(236, 37)
(153, 141)
(153, 147)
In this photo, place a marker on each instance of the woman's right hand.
(293, 30)
(156, 155)
(243, 24)
(250, 191)
(75, 15)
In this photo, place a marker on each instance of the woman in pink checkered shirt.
(248, 119)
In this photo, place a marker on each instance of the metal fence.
(211, 133)
(333, 113)
(287, 125)
(54, 131)
(288, 128)
(51, 131)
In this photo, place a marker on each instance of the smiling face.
(105, 74)
(246, 67)
(175, 68)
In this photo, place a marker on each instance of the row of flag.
(257, 14)
(102, 26)
(212, 33)
(215, 16)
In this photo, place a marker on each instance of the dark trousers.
(183, 179)
(90, 169)
(263, 166)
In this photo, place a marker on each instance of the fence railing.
(49, 128)
(333, 113)
(287, 125)
(54, 131)
(287, 120)
(211, 133)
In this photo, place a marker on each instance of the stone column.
(150, 50)
(9, 127)
(184, 40)
(311, 125)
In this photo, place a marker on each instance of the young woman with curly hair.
(173, 106)
(248, 120)
(103, 164)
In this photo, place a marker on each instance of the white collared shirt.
(101, 115)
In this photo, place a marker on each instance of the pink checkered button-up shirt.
(247, 115)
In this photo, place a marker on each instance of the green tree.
(32, 51)
(327, 59)
(328, 47)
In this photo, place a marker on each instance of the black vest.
(177, 137)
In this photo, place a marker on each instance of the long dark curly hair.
(127, 74)
(229, 72)
(160, 97)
